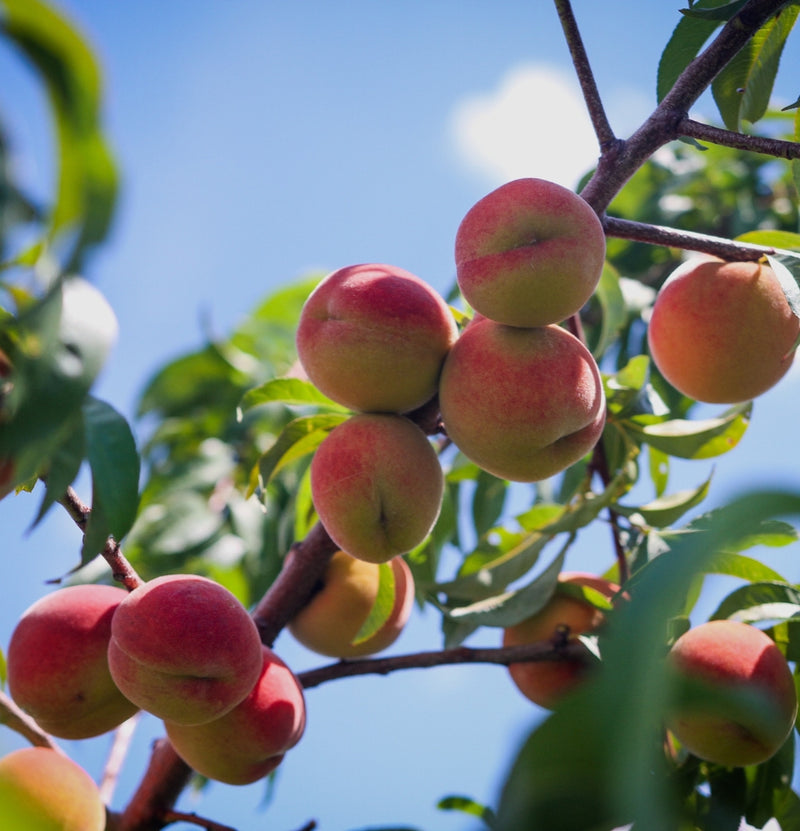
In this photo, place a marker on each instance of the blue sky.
(258, 140)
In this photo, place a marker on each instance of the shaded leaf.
(760, 601)
(467, 806)
(292, 391)
(382, 607)
(665, 510)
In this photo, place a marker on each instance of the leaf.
(469, 806)
(684, 45)
(382, 607)
(612, 304)
(760, 601)
(511, 607)
(786, 267)
(772, 238)
(666, 510)
(292, 391)
(114, 463)
(743, 88)
(700, 439)
(487, 501)
(721, 13)
(87, 177)
(297, 439)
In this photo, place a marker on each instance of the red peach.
(530, 253)
(523, 404)
(373, 337)
(330, 622)
(377, 486)
(547, 682)
(722, 332)
(250, 741)
(726, 655)
(43, 790)
(58, 666)
(184, 648)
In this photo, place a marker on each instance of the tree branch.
(778, 148)
(687, 240)
(20, 722)
(542, 651)
(580, 60)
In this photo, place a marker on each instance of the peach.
(250, 741)
(335, 615)
(373, 338)
(523, 404)
(184, 648)
(722, 332)
(546, 682)
(377, 486)
(43, 790)
(730, 656)
(58, 666)
(530, 253)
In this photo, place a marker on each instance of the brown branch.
(194, 819)
(302, 571)
(20, 722)
(580, 60)
(542, 651)
(116, 757)
(777, 148)
(122, 571)
(622, 159)
(687, 240)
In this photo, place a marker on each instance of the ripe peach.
(333, 618)
(373, 337)
(727, 655)
(43, 790)
(523, 404)
(377, 486)
(250, 741)
(58, 666)
(722, 332)
(184, 648)
(529, 253)
(547, 682)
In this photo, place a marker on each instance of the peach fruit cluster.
(741, 703)
(83, 659)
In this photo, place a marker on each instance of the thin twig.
(777, 148)
(116, 757)
(580, 60)
(541, 651)
(20, 722)
(194, 819)
(687, 240)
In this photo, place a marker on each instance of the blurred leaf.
(658, 465)
(62, 468)
(584, 768)
(667, 510)
(612, 305)
(772, 238)
(383, 606)
(721, 13)
(742, 89)
(467, 806)
(769, 793)
(299, 438)
(293, 391)
(87, 177)
(760, 601)
(737, 565)
(114, 463)
(487, 501)
(701, 439)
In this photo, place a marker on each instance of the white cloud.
(534, 123)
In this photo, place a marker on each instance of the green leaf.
(382, 608)
(757, 602)
(291, 391)
(700, 439)
(469, 806)
(511, 607)
(737, 565)
(786, 266)
(612, 305)
(87, 177)
(772, 238)
(684, 45)
(743, 88)
(721, 13)
(666, 510)
(658, 465)
(297, 439)
(114, 463)
(62, 468)
(487, 501)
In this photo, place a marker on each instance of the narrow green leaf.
(760, 601)
(701, 439)
(721, 13)
(469, 806)
(63, 467)
(292, 391)
(786, 266)
(487, 501)
(772, 238)
(658, 465)
(746, 568)
(297, 439)
(612, 305)
(114, 463)
(382, 607)
(666, 510)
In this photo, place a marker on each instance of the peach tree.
(246, 464)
